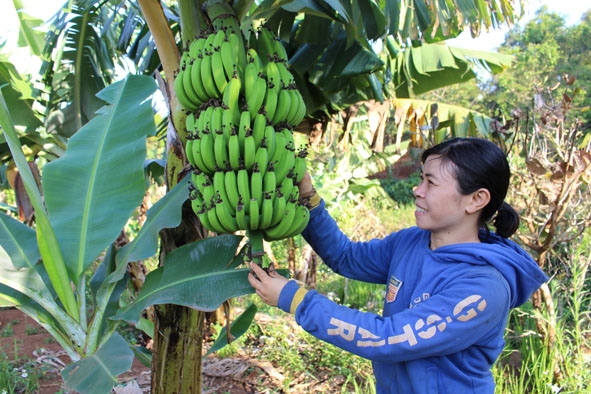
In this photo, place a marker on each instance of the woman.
(450, 281)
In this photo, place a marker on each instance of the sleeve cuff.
(291, 296)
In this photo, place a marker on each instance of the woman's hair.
(479, 163)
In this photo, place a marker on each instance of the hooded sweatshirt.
(445, 310)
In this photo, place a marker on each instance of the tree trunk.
(178, 330)
(178, 342)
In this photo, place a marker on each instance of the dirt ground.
(241, 374)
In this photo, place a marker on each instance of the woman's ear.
(480, 198)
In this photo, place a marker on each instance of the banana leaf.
(98, 373)
(92, 190)
(200, 275)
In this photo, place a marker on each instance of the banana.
(278, 50)
(279, 203)
(188, 83)
(265, 45)
(252, 69)
(221, 150)
(280, 147)
(289, 141)
(208, 193)
(300, 165)
(234, 155)
(197, 204)
(189, 149)
(258, 127)
(300, 221)
(250, 150)
(243, 181)
(231, 97)
(196, 80)
(203, 217)
(179, 89)
(207, 152)
(217, 68)
(254, 214)
(256, 99)
(285, 164)
(200, 179)
(287, 80)
(225, 217)
(236, 41)
(273, 75)
(215, 124)
(231, 185)
(266, 211)
(243, 127)
(261, 159)
(270, 140)
(209, 84)
(196, 46)
(302, 110)
(191, 122)
(256, 186)
(197, 157)
(269, 183)
(283, 106)
(204, 121)
(285, 187)
(242, 219)
(219, 185)
(291, 117)
(214, 222)
(271, 99)
(229, 58)
(228, 123)
(276, 232)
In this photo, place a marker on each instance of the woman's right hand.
(305, 186)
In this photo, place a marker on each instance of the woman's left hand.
(268, 285)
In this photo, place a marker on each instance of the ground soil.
(242, 373)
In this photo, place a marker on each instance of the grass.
(19, 376)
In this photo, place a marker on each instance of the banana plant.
(66, 273)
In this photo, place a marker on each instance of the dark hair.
(479, 163)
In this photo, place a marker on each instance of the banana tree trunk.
(178, 330)
(178, 341)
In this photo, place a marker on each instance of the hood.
(521, 272)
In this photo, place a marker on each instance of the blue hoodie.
(445, 310)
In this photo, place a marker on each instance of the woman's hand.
(306, 187)
(268, 286)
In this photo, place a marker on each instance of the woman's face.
(440, 207)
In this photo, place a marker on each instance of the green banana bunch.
(243, 104)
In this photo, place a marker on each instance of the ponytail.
(506, 221)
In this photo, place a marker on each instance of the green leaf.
(238, 327)
(19, 241)
(46, 238)
(26, 289)
(166, 213)
(92, 190)
(97, 374)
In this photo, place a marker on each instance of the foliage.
(19, 376)
(527, 362)
(102, 171)
(547, 52)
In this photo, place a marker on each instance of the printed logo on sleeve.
(393, 286)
